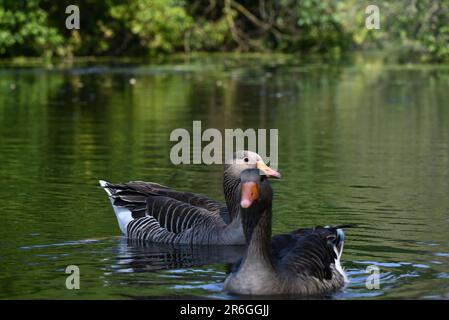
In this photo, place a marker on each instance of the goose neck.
(257, 230)
(230, 185)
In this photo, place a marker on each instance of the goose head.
(241, 160)
(245, 159)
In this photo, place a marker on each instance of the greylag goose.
(152, 212)
(304, 262)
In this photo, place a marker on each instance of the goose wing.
(135, 195)
(309, 251)
(168, 220)
(159, 218)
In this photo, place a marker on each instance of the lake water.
(359, 142)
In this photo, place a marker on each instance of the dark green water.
(360, 143)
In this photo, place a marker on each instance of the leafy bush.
(418, 29)
(25, 30)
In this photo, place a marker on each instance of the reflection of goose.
(142, 256)
(152, 212)
(306, 261)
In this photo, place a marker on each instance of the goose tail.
(123, 214)
(338, 248)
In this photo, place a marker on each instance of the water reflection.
(137, 256)
(363, 144)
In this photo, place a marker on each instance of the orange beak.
(250, 193)
(267, 170)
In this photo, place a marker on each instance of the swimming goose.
(304, 262)
(152, 212)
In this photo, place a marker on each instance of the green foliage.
(207, 35)
(422, 28)
(24, 29)
(417, 29)
(318, 25)
(160, 25)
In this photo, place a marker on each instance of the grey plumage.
(160, 214)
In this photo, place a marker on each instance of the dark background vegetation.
(414, 30)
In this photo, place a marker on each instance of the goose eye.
(246, 159)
